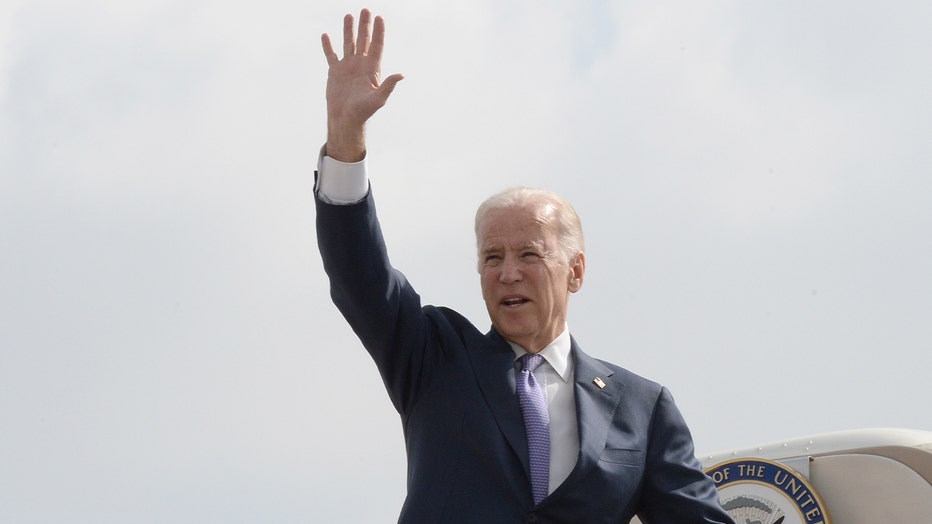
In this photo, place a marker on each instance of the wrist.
(346, 144)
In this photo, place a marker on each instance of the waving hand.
(355, 89)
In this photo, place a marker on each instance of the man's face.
(526, 278)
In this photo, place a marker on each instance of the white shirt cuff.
(341, 182)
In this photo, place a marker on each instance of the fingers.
(370, 39)
(363, 38)
(378, 39)
(349, 47)
(329, 53)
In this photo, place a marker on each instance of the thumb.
(388, 85)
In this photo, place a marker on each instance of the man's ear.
(577, 272)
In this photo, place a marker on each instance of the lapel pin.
(599, 382)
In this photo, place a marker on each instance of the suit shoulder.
(445, 314)
(632, 380)
(451, 322)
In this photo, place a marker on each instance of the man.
(518, 424)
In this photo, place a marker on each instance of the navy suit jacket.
(454, 388)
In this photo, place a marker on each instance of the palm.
(353, 88)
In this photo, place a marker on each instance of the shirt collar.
(556, 353)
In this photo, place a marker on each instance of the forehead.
(518, 225)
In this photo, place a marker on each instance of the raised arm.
(355, 88)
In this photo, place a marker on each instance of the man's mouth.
(514, 301)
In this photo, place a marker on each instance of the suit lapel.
(494, 369)
(597, 399)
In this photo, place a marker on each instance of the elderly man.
(513, 425)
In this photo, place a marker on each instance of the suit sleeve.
(676, 490)
(378, 302)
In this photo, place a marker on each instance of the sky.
(754, 179)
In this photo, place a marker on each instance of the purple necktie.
(536, 423)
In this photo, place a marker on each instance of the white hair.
(565, 222)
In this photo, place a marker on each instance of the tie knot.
(530, 362)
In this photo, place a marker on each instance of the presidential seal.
(757, 491)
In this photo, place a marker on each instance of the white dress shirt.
(348, 183)
(341, 182)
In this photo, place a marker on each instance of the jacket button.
(532, 517)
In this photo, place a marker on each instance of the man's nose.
(511, 271)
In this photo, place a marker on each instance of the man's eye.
(530, 255)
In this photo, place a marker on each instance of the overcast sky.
(754, 179)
